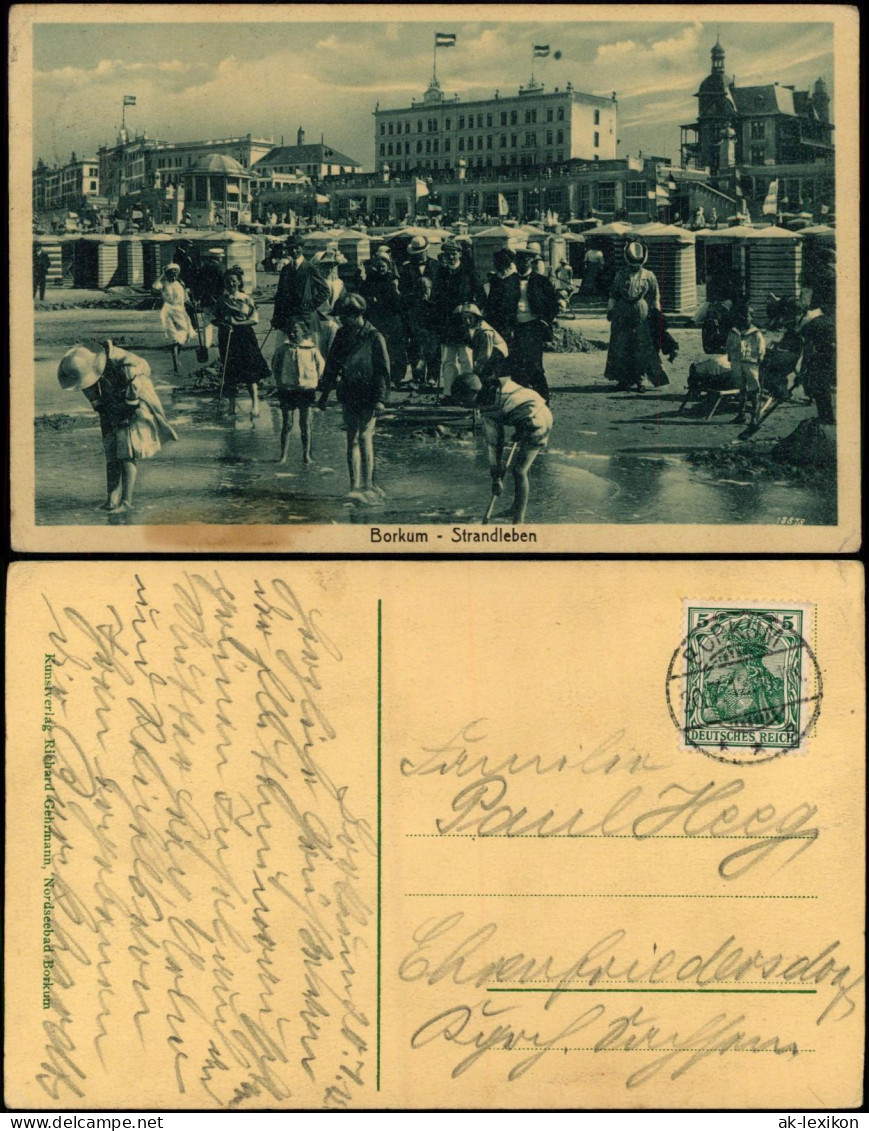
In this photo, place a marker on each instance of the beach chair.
(709, 383)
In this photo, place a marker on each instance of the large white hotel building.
(533, 127)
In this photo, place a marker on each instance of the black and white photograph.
(435, 278)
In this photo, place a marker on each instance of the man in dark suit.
(416, 280)
(455, 284)
(301, 289)
(523, 306)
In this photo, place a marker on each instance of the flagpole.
(434, 65)
(123, 111)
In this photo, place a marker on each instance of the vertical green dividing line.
(379, 814)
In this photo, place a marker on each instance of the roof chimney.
(300, 137)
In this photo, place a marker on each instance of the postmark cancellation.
(744, 685)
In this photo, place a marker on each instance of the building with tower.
(749, 136)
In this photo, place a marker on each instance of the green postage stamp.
(748, 687)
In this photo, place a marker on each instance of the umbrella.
(500, 231)
(769, 233)
(617, 228)
(436, 234)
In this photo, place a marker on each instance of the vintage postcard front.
(435, 835)
(561, 278)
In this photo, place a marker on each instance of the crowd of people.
(403, 322)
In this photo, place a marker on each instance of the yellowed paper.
(603, 491)
(361, 835)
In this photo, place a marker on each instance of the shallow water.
(612, 459)
(227, 472)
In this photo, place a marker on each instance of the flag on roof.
(444, 39)
(541, 52)
(129, 100)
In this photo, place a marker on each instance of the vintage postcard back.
(379, 835)
(142, 135)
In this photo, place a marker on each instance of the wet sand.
(613, 457)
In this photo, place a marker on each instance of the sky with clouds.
(203, 80)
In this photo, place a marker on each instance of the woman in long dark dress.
(241, 360)
(633, 351)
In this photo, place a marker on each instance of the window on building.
(757, 130)
(447, 145)
(597, 117)
(549, 113)
(419, 126)
(479, 121)
(606, 196)
(406, 149)
(560, 114)
(488, 119)
(636, 199)
(448, 124)
(549, 137)
(436, 146)
(756, 156)
(389, 149)
(390, 129)
(503, 141)
(428, 145)
(513, 141)
(596, 139)
(419, 147)
(531, 139)
(559, 137)
(503, 117)
(514, 117)
(461, 145)
(382, 150)
(382, 129)
(93, 186)
(461, 123)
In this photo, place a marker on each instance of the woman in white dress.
(176, 321)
